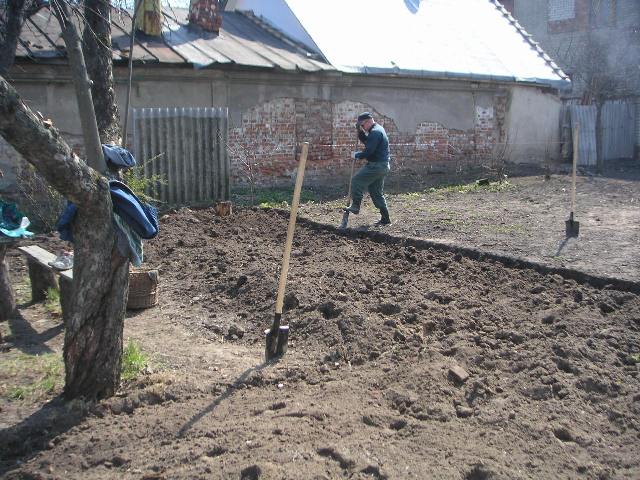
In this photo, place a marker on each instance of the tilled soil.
(403, 362)
(525, 219)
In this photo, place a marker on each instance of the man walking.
(371, 176)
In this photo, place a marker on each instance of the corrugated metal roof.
(243, 40)
(435, 38)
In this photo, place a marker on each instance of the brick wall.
(264, 147)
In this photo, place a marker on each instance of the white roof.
(441, 38)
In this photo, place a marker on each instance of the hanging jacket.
(141, 217)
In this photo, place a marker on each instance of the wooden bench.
(43, 276)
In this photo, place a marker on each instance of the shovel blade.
(271, 344)
(277, 342)
(572, 228)
(283, 340)
(345, 220)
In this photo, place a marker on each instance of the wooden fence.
(184, 152)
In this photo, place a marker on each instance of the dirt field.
(383, 334)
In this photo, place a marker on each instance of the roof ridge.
(265, 24)
(529, 38)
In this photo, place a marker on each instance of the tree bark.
(599, 135)
(82, 84)
(10, 32)
(94, 322)
(97, 55)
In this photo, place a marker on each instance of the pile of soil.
(404, 361)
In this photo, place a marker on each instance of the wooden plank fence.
(186, 150)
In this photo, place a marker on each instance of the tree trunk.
(599, 135)
(97, 55)
(93, 336)
(10, 32)
(81, 83)
(94, 324)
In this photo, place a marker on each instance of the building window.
(559, 10)
(602, 13)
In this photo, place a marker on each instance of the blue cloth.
(11, 221)
(64, 222)
(118, 156)
(129, 242)
(141, 217)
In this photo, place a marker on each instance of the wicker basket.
(143, 289)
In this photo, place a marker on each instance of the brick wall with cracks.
(270, 135)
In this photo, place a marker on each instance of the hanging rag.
(141, 217)
(128, 242)
(118, 157)
(64, 222)
(12, 222)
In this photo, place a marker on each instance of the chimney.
(206, 14)
(149, 18)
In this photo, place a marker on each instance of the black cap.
(364, 116)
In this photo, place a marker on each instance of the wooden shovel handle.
(353, 165)
(292, 226)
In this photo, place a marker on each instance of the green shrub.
(52, 303)
(133, 361)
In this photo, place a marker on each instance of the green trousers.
(370, 177)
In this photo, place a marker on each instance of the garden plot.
(403, 363)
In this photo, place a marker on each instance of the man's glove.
(353, 155)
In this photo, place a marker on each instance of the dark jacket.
(376, 145)
(141, 217)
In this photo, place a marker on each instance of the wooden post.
(7, 298)
(223, 209)
(42, 279)
(66, 296)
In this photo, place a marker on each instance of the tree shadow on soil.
(27, 339)
(242, 379)
(26, 439)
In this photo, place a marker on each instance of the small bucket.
(143, 289)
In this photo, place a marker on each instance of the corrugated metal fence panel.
(585, 116)
(185, 149)
(618, 125)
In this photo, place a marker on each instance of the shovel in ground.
(572, 228)
(345, 215)
(278, 335)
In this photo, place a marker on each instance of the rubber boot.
(354, 207)
(384, 220)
